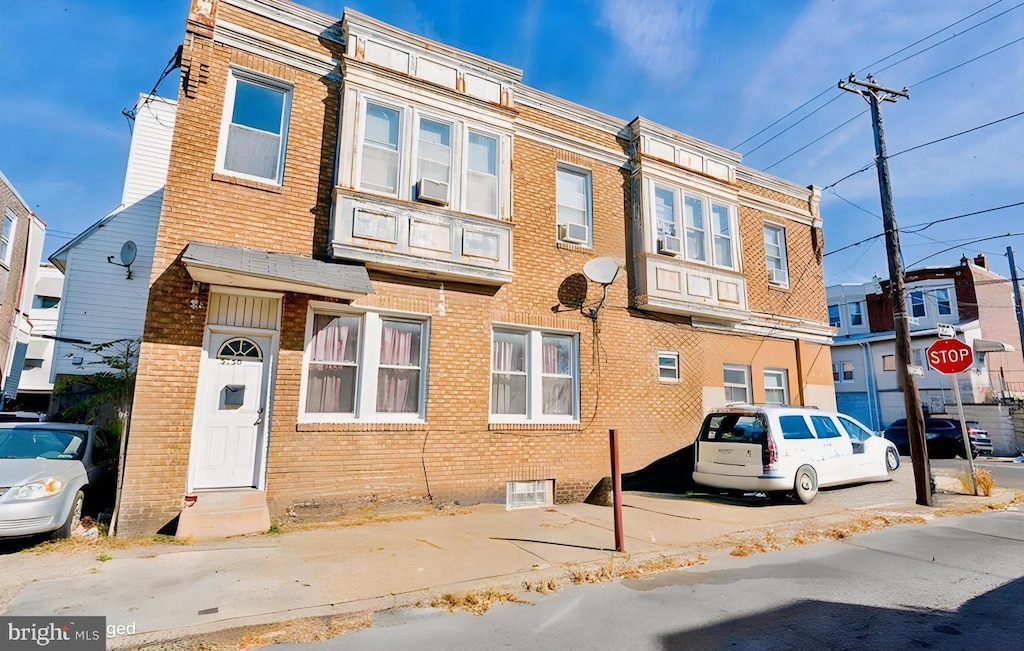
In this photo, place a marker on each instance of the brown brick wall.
(318, 470)
(11, 275)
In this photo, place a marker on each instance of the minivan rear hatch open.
(733, 444)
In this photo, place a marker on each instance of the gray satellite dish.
(601, 270)
(128, 251)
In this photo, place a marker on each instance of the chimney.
(981, 261)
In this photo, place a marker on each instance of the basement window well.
(529, 494)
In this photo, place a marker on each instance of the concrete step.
(219, 514)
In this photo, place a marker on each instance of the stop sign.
(950, 356)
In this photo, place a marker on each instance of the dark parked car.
(944, 438)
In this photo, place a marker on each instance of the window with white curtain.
(364, 366)
(255, 129)
(534, 376)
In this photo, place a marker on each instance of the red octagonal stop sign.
(950, 356)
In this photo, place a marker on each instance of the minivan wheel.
(806, 485)
(892, 459)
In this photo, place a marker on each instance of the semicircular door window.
(239, 348)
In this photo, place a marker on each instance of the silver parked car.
(46, 472)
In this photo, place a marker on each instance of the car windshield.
(41, 443)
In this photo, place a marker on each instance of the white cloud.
(660, 36)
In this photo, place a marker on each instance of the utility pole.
(875, 95)
(1016, 297)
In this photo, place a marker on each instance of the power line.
(889, 56)
(981, 239)
(827, 133)
(948, 219)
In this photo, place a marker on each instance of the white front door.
(227, 443)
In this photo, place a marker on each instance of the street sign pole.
(963, 431)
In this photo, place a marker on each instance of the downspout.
(874, 411)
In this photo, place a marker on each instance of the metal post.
(963, 431)
(620, 544)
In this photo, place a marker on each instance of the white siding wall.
(100, 304)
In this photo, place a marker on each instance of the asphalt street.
(952, 584)
(1005, 473)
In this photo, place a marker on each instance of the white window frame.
(709, 233)
(361, 139)
(7, 237)
(855, 309)
(668, 361)
(529, 494)
(236, 74)
(782, 256)
(948, 302)
(915, 303)
(838, 316)
(835, 372)
(367, 364)
(843, 366)
(783, 375)
(453, 138)
(534, 377)
(588, 217)
(746, 386)
(464, 172)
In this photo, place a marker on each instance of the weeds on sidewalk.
(78, 544)
(299, 631)
(984, 478)
(629, 570)
(476, 602)
(768, 541)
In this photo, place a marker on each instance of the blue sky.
(720, 71)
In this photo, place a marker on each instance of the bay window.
(706, 225)
(482, 174)
(534, 376)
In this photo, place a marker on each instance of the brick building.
(975, 301)
(367, 283)
(21, 246)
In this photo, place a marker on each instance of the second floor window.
(856, 313)
(775, 255)
(434, 159)
(834, 318)
(6, 233)
(482, 174)
(694, 226)
(381, 155)
(572, 190)
(254, 138)
(917, 304)
(942, 301)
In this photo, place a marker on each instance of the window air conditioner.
(778, 277)
(434, 192)
(578, 233)
(670, 245)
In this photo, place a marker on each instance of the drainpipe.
(874, 410)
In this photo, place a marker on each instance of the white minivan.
(788, 450)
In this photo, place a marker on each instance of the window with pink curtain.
(508, 377)
(398, 378)
(333, 365)
(556, 378)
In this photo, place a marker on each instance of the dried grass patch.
(476, 602)
(983, 478)
(612, 571)
(769, 540)
(543, 587)
(299, 631)
(81, 545)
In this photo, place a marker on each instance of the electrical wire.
(981, 239)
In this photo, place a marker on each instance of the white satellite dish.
(601, 270)
(128, 251)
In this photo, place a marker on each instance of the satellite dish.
(128, 251)
(601, 270)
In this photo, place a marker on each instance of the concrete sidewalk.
(171, 591)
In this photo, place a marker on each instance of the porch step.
(220, 514)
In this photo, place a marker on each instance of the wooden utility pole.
(1016, 298)
(875, 95)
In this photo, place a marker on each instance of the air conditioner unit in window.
(778, 277)
(578, 233)
(434, 192)
(670, 245)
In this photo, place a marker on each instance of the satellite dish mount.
(128, 252)
(602, 271)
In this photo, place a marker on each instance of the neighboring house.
(367, 282)
(103, 300)
(21, 247)
(975, 301)
(35, 386)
